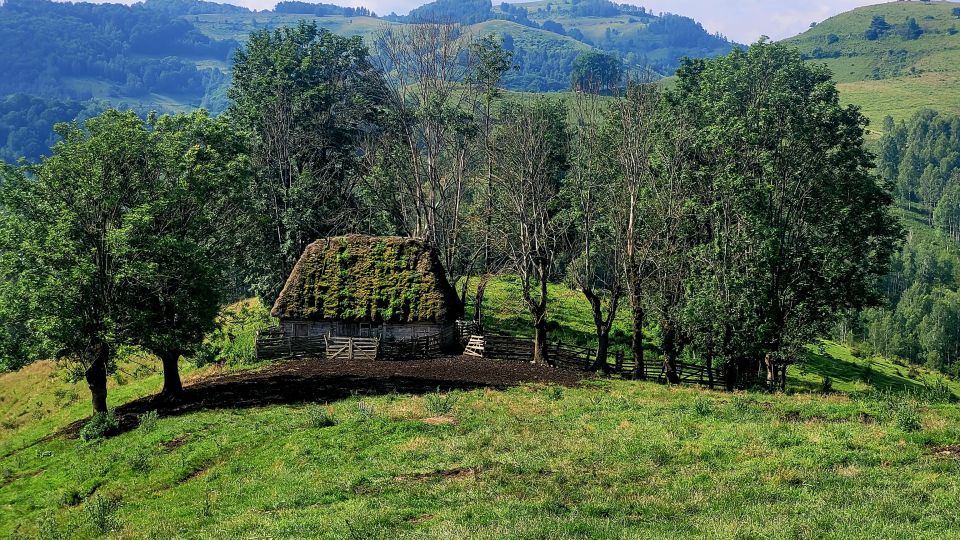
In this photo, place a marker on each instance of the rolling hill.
(887, 65)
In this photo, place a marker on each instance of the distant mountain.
(892, 59)
(175, 54)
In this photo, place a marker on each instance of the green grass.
(609, 459)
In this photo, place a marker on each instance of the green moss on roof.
(364, 278)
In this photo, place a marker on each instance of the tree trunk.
(540, 354)
(172, 386)
(636, 343)
(710, 381)
(771, 375)
(603, 347)
(96, 376)
(670, 352)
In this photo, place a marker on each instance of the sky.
(743, 21)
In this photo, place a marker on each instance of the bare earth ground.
(320, 381)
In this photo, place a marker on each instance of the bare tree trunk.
(603, 348)
(636, 343)
(96, 376)
(540, 354)
(172, 386)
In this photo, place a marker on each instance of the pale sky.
(743, 21)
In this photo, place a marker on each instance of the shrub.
(826, 385)
(101, 513)
(147, 421)
(936, 392)
(366, 409)
(48, 528)
(320, 417)
(554, 393)
(867, 374)
(99, 427)
(702, 406)
(139, 461)
(440, 404)
(907, 417)
(234, 340)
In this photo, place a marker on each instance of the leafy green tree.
(306, 98)
(947, 214)
(109, 243)
(596, 72)
(793, 227)
(175, 252)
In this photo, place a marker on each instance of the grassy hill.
(601, 460)
(891, 75)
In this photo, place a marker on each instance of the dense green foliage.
(136, 50)
(306, 97)
(174, 55)
(112, 241)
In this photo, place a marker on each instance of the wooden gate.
(351, 348)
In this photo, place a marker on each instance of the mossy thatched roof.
(368, 279)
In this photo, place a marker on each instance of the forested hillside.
(175, 55)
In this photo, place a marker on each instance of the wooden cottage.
(362, 286)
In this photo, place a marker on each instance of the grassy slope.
(892, 75)
(530, 462)
(611, 459)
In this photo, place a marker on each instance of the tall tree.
(531, 144)
(306, 98)
(428, 68)
(176, 251)
(794, 227)
(109, 243)
(597, 268)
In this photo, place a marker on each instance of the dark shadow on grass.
(846, 371)
(317, 381)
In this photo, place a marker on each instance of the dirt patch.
(947, 452)
(173, 444)
(440, 421)
(420, 519)
(319, 381)
(459, 473)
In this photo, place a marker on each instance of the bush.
(48, 528)
(101, 513)
(826, 385)
(936, 392)
(554, 393)
(441, 404)
(99, 427)
(139, 461)
(702, 406)
(234, 340)
(147, 421)
(907, 417)
(70, 497)
(867, 374)
(320, 417)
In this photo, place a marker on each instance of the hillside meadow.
(876, 457)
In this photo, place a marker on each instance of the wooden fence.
(272, 344)
(695, 374)
(351, 348)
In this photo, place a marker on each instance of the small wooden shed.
(360, 286)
